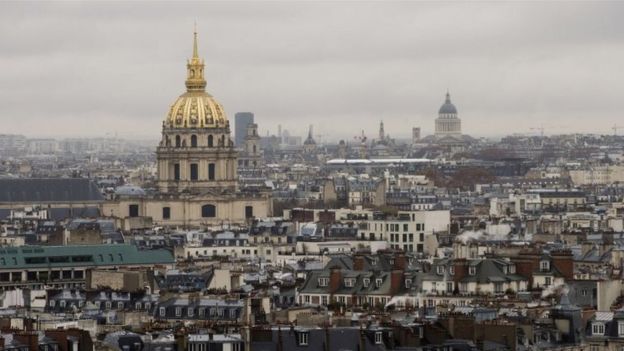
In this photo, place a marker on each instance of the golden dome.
(196, 108)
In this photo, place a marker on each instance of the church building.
(197, 180)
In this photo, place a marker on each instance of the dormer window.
(366, 282)
(598, 328)
(440, 270)
(545, 266)
(472, 270)
(349, 282)
(452, 270)
(512, 269)
(620, 329)
(303, 338)
(408, 283)
(323, 281)
(378, 282)
(378, 338)
(373, 262)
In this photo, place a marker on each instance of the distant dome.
(448, 108)
(130, 190)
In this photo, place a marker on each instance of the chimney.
(396, 278)
(400, 262)
(28, 338)
(358, 262)
(60, 336)
(335, 276)
(461, 269)
(563, 261)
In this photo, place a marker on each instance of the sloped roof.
(41, 190)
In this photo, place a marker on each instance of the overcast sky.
(95, 69)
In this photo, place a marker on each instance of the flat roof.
(27, 257)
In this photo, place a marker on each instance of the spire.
(195, 55)
(195, 81)
(448, 96)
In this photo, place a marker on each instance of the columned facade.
(447, 123)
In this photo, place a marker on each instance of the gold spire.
(195, 55)
(195, 81)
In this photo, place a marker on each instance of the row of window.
(350, 282)
(201, 312)
(207, 211)
(194, 171)
(182, 143)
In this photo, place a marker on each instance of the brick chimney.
(396, 280)
(28, 338)
(461, 269)
(60, 336)
(358, 262)
(564, 262)
(335, 276)
(400, 262)
(526, 263)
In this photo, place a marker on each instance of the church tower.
(196, 154)
(447, 123)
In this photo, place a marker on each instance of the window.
(597, 329)
(109, 305)
(52, 303)
(545, 266)
(209, 211)
(584, 292)
(176, 171)
(248, 211)
(366, 282)
(162, 311)
(303, 338)
(178, 141)
(408, 283)
(137, 306)
(323, 281)
(472, 270)
(349, 282)
(201, 312)
(324, 300)
(190, 311)
(452, 270)
(378, 338)
(178, 311)
(421, 237)
(210, 141)
(194, 173)
(440, 269)
(233, 313)
(133, 210)
(498, 287)
(193, 140)
(547, 281)
(120, 305)
(211, 171)
(378, 282)
(405, 227)
(166, 212)
(620, 328)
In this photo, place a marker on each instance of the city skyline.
(95, 69)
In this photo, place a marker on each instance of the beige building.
(196, 166)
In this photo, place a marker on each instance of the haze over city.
(89, 69)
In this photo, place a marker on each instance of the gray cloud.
(72, 69)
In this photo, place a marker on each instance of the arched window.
(193, 140)
(178, 141)
(209, 211)
(210, 141)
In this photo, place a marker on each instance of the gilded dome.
(196, 108)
